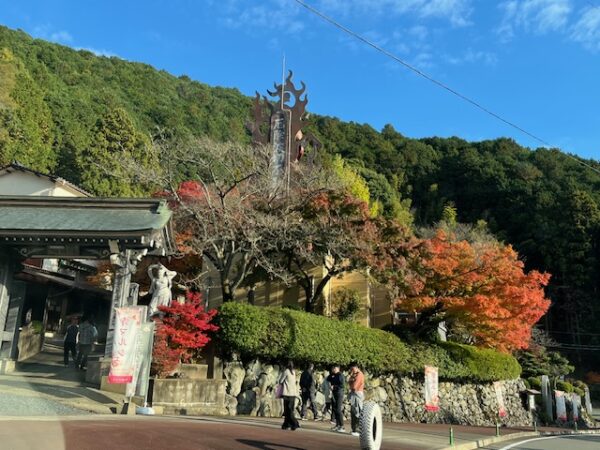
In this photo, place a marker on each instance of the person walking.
(289, 393)
(87, 335)
(70, 342)
(356, 383)
(326, 391)
(308, 391)
(336, 381)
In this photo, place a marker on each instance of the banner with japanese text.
(139, 384)
(500, 399)
(127, 328)
(432, 398)
(561, 406)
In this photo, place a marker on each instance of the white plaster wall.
(22, 183)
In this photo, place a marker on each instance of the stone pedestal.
(194, 371)
(96, 369)
(189, 396)
(7, 366)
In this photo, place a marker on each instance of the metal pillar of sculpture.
(124, 292)
(279, 123)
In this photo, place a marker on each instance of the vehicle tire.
(371, 427)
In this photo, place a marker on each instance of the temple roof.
(85, 222)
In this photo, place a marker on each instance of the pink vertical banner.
(127, 325)
(561, 406)
(500, 399)
(432, 398)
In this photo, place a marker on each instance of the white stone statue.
(160, 287)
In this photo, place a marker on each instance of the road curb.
(509, 437)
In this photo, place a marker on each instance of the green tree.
(115, 140)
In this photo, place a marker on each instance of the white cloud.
(538, 16)
(473, 57)
(97, 52)
(46, 32)
(288, 15)
(587, 29)
(61, 36)
(273, 14)
(423, 60)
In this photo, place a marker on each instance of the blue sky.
(535, 62)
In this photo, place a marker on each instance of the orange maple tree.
(481, 289)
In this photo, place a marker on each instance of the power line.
(433, 80)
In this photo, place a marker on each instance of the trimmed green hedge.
(277, 334)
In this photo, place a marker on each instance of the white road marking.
(508, 447)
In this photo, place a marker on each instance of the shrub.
(535, 383)
(275, 334)
(564, 386)
(181, 331)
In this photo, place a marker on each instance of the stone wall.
(402, 399)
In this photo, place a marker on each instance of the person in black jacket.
(336, 380)
(70, 342)
(308, 391)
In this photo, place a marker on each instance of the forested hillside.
(64, 111)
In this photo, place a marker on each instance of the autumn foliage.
(182, 331)
(480, 289)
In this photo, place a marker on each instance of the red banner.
(127, 326)
(432, 398)
(500, 399)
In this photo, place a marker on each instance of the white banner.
(432, 399)
(143, 359)
(500, 399)
(127, 326)
(561, 406)
(588, 402)
(576, 402)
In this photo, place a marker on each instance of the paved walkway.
(44, 388)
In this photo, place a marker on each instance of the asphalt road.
(581, 442)
(159, 434)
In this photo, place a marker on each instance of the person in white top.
(289, 393)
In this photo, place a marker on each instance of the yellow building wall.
(374, 312)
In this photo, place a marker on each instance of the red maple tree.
(481, 289)
(182, 331)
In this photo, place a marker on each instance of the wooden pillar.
(12, 297)
(124, 291)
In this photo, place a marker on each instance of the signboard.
(547, 396)
(561, 406)
(588, 401)
(143, 359)
(127, 330)
(576, 402)
(531, 402)
(432, 399)
(500, 399)
(279, 137)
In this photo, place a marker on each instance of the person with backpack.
(70, 342)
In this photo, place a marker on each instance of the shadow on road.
(266, 445)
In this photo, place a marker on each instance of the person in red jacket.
(356, 383)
